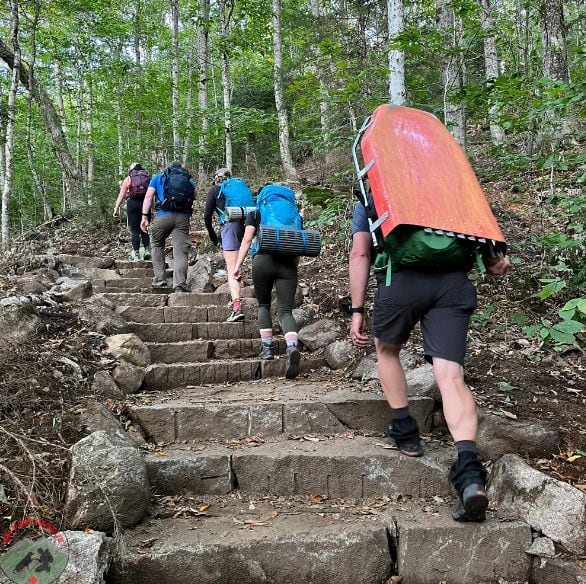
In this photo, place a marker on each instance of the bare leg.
(458, 401)
(391, 374)
(230, 257)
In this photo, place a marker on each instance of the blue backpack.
(178, 191)
(278, 207)
(234, 192)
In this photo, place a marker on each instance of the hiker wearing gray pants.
(174, 192)
(443, 302)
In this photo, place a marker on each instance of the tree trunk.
(202, 99)
(10, 123)
(48, 212)
(189, 105)
(52, 123)
(491, 68)
(226, 87)
(324, 97)
(175, 77)
(289, 171)
(397, 94)
(553, 40)
(89, 140)
(452, 68)
(138, 77)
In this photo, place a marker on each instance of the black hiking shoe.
(267, 353)
(469, 478)
(180, 289)
(235, 316)
(293, 361)
(404, 434)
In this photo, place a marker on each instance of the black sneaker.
(267, 353)
(293, 360)
(180, 289)
(236, 316)
(469, 478)
(404, 434)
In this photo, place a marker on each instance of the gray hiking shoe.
(267, 353)
(293, 361)
(159, 283)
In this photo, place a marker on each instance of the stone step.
(85, 262)
(271, 410)
(272, 548)
(125, 283)
(187, 331)
(164, 376)
(199, 351)
(308, 540)
(129, 264)
(342, 467)
(97, 288)
(177, 314)
(133, 298)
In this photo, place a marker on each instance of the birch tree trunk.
(137, 82)
(48, 212)
(395, 14)
(10, 123)
(89, 140)
(175, 77)
(289, 171)
(491, 68)
(324, 92)
(202, 98)
(226, 86)
(189, 105)
(452, 70)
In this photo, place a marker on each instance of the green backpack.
(417, 248)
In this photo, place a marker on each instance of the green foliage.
(568, 329)
(318, 195)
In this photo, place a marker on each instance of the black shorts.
(443, 303)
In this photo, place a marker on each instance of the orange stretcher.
(419, 175)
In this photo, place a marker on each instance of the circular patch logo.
(38, 553)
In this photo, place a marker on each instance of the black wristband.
(145, 214)
(359, 309)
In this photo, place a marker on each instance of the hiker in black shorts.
(443, 303)
(231, 234)
(133, 190)
(269, 270)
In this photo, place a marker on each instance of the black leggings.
(134, 214)
(282, 272)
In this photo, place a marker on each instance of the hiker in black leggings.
(269, 270)
(134, 213)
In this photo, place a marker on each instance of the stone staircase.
(257, 479)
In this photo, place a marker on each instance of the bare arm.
(249, 232)
(123, 189)
(146, 208)
(359, 271)
(499, 265)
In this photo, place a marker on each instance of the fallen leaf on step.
(146, 543)
(203, 507)
(312, 438)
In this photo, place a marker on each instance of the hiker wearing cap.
(132, 191)
(226, 191)
(173, 191)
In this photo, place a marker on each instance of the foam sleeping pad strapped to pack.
(237, 213)
(290, 242)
